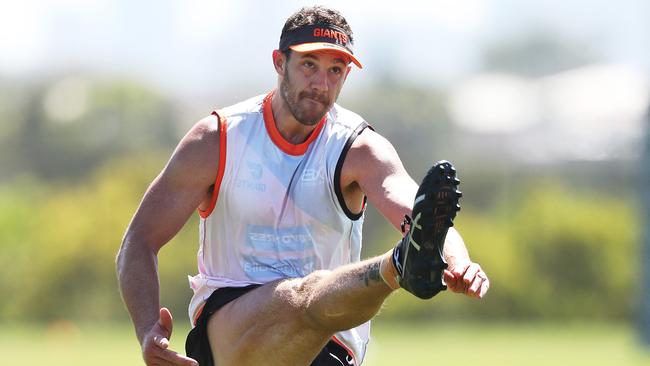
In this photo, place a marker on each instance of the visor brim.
(325, 46)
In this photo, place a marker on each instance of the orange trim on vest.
(222, 166)
(336, 340)
(277, 138)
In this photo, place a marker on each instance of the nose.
(319, 81)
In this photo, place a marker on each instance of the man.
(280, 182)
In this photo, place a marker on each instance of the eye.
(308, 64)
(336, 70)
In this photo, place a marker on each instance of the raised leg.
(288, 322)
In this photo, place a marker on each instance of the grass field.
(70, 345)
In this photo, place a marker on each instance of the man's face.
(312, 83)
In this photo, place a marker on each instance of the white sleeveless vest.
(277, 210)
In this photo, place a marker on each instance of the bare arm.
(372, 167)
(183, 185)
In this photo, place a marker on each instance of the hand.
(467, 278)
(155, 344)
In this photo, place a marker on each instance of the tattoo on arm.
(371, 275)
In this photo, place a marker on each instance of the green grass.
(393, 344)
(503, 345)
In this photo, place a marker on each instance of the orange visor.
(319, 37)
(324, 46)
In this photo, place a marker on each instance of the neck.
(290, 129)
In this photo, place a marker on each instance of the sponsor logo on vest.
(250, 185)
(285, 239)
(278, 252)
(255, 171)
(259, 271)
(312, 176)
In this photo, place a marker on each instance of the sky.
(192, 47)
(199, 51)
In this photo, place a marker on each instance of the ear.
(279, 62)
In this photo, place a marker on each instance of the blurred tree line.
(76, 155)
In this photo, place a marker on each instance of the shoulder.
(345, 118)
(250, 105)
(368, 149)
(370, 144)
(204, 134)
(370, 155)
(208, 129)
(197, 155)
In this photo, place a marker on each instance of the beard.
(307, 116)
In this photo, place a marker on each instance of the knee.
(304, 297)
(301, 293)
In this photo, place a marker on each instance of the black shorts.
(197, 345)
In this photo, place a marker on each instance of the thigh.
(266, 326)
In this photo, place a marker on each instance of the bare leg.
(288, 322)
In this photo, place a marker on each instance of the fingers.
(168, 357)
(469, 279)
(470, 273)
(155, 355)
(458, 270)
(454, 278)
(156, 346)
(173, 359)
(484, 288)
(476, 281)
(161, 342)
(450, 280)
(166, 320)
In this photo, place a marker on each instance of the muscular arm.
(182, 186)
(372, 167)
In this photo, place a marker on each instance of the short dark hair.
(317, 15)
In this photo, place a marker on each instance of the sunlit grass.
(499, 344)
(65, 343)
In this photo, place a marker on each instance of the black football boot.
(418, 257)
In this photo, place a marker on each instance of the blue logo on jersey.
(312, 177)
(255, 169)
(283, 253)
